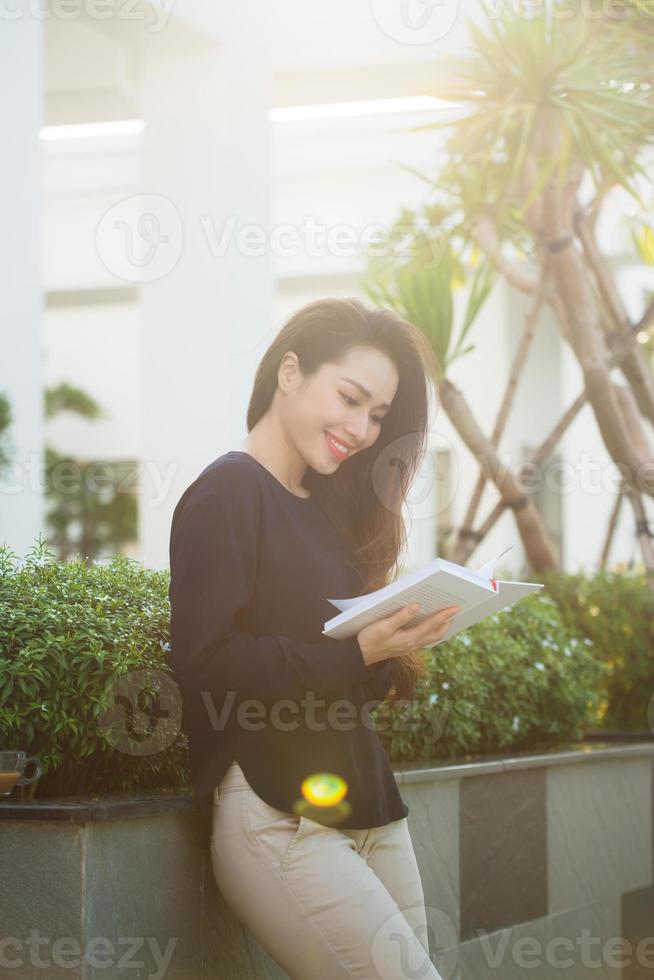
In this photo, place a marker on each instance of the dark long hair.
(365, 496)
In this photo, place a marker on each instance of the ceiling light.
(115, 127)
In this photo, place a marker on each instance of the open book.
(435, 586)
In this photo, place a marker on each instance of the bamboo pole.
(538, 548)
(463, 539)
(613, 523)
(634, 365)
(643, 533)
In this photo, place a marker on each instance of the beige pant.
(325, 903)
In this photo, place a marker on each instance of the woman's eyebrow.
(364, 391)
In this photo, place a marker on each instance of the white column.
(21, 297)
(208, 319)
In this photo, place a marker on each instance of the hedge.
(77, 641)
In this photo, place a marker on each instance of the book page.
(416, 579)
(509, 592)
(423, 592)
(477, 604)
(441, 590)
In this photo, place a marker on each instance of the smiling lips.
(337, 449)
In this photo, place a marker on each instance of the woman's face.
(328, 417)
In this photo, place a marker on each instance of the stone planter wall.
(539, 866)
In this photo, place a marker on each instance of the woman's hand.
(390, 638)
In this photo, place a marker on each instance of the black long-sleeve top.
(251, 568)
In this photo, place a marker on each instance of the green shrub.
(616, 610)
(518, 680)
(68, 633)
(72, 633)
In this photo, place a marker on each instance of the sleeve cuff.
(360, 670)
(356, 667)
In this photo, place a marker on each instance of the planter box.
(538, 864)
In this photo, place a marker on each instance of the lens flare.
(324, 789)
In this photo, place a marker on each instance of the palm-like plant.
(529, 78)
(555, 111)
(421, 288)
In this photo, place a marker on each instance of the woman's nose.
(357, 434)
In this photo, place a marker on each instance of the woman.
(307, 510)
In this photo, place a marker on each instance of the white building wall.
(98, 348)
(21, 299)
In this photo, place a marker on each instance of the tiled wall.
(543, 867)
(545, 872)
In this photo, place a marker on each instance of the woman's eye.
(352, 401)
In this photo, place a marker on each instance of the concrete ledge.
(587, 752)
(116, 806)
(81, 809)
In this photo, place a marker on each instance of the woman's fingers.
(403, 615)
(442, 618)
(439, 634)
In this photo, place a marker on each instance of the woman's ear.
(289, 375)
